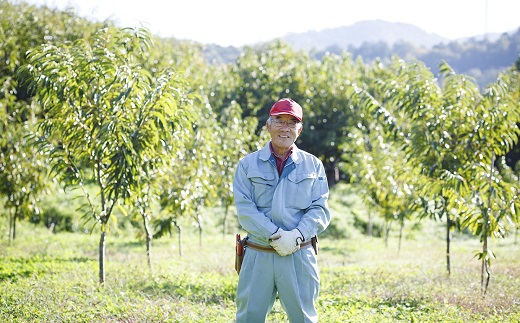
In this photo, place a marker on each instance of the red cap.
(287, 106)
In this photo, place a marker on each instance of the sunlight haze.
(239, 22)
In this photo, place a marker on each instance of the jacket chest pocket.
(299, 190)
(263, 186)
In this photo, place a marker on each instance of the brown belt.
(258, 247)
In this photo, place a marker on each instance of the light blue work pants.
(294, 277)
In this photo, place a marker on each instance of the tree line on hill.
(480, 58)
(145, 128)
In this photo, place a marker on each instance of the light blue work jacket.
(266, 201)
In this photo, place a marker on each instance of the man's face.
(283, 136)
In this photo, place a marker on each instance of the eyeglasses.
(280, 123)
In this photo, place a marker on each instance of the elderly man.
(281, 197)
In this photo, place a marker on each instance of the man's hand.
(286, 242)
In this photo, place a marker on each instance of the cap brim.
(291, 114)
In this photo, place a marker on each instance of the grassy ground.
(54, 278)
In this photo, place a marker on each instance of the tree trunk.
(448, 241)
(102, 249)
(224, 221)
(180, 237)
(484, 234)
(400, 236)
(148, 240)
(200, 233)
(370, 224)
(387, 233)
(10, 225)
(332, 172)
(14, 225)
(485, 267)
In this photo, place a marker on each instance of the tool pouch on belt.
(240, 251)
(314, 242)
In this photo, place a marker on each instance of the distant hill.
(481, 57)
(372, 31)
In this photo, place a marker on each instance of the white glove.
(286, 242)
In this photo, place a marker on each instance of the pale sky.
(243, 22)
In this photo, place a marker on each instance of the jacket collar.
(265, 154)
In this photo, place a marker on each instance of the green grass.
(54, 278)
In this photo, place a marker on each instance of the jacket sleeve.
(250, 218)
(317, 216)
